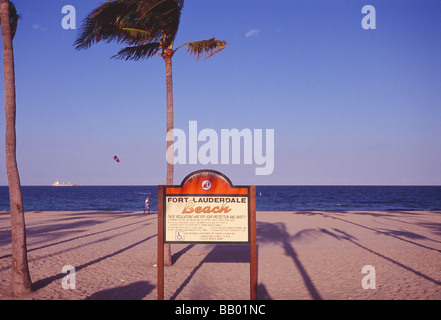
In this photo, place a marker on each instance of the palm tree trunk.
(170, 154)
(20, 278)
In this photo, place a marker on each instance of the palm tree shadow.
(177, 255)
(219, 253)
(262, 292)
(277, 233)
(133, 291)
(341, 235)
(46, 281)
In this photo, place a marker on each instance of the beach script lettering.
(69, 281)
(207, 209)
(368, 281)
(229, 147)
(69, 20)
(369, 20)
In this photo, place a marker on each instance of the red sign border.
(252, 242)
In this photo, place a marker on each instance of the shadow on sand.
(46, 281)
(276, 233)
(133, 291)
(219, 253)
(266, 233)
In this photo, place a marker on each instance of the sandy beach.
(301, 255)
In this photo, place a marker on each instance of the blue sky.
(348, 106)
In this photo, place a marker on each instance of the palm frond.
(100, 23)
(160, 18)
(135, 36)
(117, 21)
(205, 48)
(138, 52)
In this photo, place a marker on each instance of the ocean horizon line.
(268, 197)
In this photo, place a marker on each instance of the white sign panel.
(206, 218)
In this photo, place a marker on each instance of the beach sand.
(301, 255)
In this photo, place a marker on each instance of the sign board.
(206, 208)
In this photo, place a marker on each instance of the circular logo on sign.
(206, 185)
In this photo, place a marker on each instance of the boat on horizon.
(63, 184)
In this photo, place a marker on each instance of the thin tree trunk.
(170, 153)
(20, 278)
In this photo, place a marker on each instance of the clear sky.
(348, 106)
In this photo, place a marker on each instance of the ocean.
(268, 198)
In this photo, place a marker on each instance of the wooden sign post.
(207, 208)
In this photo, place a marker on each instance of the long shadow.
(79, 220)
(390, 233)
(5, 237)
(86, 235)
(342, 235)
(177, 255)
(220, 253)
(59, 229)
(277, 233)
(44, 282)
(133, 291)
(120, 234)
(401, 235)
(262, 292)
(75, 238)
(56, 230)
(435, 227)
(66, 226)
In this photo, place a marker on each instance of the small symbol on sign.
(206, 185)
(180, 235)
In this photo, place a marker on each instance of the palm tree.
(20, 278)
(148, 27)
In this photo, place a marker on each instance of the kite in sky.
(116, 158)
